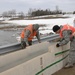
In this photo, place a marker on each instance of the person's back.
(28, 34)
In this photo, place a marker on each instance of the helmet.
(35, 26)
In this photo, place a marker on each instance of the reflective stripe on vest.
(66, 27)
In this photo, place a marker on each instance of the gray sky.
(24, 5)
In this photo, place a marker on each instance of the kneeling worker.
(28, 34)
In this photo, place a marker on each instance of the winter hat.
(36, 26)
(56, 28)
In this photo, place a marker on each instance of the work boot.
(68, 66)
(23, 44)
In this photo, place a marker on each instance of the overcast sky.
(24, 5)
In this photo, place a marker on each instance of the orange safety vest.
(30, 28)
(66, 27)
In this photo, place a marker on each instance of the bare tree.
(12, 13)
(29, 12)
(5, 14)
(21, 15)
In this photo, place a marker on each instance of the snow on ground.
(59, 21)
(49, 22)
(43, 21)
(45, 31)
(2, 19)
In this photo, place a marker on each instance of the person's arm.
(38, 37)
(66, 37)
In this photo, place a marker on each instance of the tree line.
(33, 12)
(40, 12)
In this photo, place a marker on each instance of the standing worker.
(67, 33)
(28, 34)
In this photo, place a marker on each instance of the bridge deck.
(69, 71)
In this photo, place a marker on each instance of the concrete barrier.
(15, 58)
(40, 59)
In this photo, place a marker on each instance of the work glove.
(23, 44)
(57, 45)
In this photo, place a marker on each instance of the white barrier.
(15, 58)
(46, 61)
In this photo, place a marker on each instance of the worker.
(28, 34)
(67, 33)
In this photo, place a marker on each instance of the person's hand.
(23, 44)
(57, 45)
(73, 34)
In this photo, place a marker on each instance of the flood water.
(8, 37)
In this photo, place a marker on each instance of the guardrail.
(17, 46)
